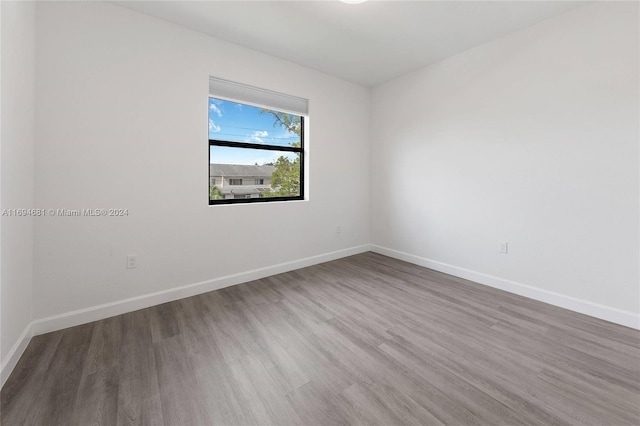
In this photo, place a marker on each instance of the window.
(256, 136)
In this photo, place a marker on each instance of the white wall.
(122, 122)
(530, 139)
(16, 177)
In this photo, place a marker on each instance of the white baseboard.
(12, 358)
(95, 313)
(607, 313)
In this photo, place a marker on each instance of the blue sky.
(243, 123)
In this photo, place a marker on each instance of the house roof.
(243, 170)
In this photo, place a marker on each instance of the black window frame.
(266, 147)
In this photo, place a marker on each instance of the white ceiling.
(367, 43)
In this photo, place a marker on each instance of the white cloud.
(213, 107)
(213, 127)
(257, 136)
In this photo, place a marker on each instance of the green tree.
(285, 181)
(215, 193)
(289, 122)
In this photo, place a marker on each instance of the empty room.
(320, 213)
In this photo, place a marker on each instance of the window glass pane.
(253, 173)
(231, 121)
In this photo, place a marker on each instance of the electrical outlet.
(132, 261)
(504, 247)
(338, 230)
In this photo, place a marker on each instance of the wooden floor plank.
(362, 340)
(60, 385)
(21, 395)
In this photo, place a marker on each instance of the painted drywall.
(530, 139)
(122, 123)
(17, 176)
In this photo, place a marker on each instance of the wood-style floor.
(362, 340)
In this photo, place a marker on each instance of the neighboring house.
(241, 181)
